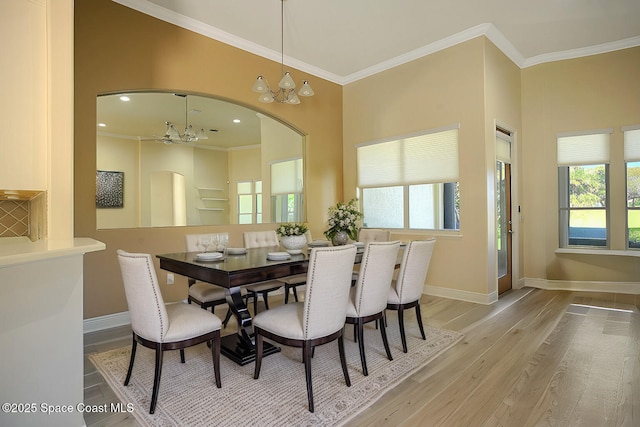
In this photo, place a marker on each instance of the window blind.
(587, 149)
(632, 145)
(426, 158)
(503, 147)
(286, 177)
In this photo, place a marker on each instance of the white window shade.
(588, 149)
(503, 147)
(286, 177)
(632, 145)
(428, 158)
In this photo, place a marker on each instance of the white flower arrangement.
(292, 229)
(344, 217)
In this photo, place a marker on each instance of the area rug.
(188, 395)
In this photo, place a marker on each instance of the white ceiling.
(345, 40)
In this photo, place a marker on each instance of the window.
(632, 162)
(286, 191)
(583, 189)
(249, 202)
(411, 182)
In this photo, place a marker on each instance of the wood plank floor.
(534, 358)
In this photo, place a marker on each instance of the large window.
(411, 182)
(286, 191)
(632, 161)
(583, 189)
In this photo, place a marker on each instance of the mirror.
(175, 159)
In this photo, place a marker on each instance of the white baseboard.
(95, 324)
(461, 295)
(584, 286)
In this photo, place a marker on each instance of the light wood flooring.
(534, 358)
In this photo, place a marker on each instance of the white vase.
(293, 243)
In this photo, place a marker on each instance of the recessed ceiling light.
(236, 120)
(102, 125)
(124, 98)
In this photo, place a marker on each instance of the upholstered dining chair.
(369, 297)
(407, 289)
(319, 319)
(292, 283)
(205, 294)
(261, 239)
(366, 235)
(163, 327)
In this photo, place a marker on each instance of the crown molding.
(488, 30)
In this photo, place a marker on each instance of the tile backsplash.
(23, 218)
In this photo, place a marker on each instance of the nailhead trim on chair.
(154, 294)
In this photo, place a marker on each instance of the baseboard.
(584, 286)
(108, 321)
(461, 295)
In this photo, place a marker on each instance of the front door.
(504, 232)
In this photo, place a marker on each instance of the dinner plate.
(236, 251)
(359, 244)
(318, 243)
(208, 256)
(278, 256)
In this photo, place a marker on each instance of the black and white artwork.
(109, 189)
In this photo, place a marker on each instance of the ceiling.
(345, 40)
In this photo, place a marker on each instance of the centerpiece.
(343, 222)
(292, 236)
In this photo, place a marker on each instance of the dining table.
(232, 272)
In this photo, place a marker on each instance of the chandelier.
(286, 91)
(173, 136)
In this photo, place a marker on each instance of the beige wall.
(118, 49)
(594, 92)
(441, 89)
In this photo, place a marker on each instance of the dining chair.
(206, 295)
(261, 239)
(406, 290)
(369, 297)
(319, 319)
(163, 327)
(366, 235)
(292, 283)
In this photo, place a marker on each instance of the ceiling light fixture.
(286, 92)
(173, 136)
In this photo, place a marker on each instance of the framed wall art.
(109, 189)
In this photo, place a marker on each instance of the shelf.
(210, 209)
(216, 199)
(209, 189)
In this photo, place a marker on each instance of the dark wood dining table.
(232, 272)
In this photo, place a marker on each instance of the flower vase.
(293, 244)
(340, 238)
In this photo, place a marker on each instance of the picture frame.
(109, 189)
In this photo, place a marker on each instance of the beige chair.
(292, 283)
(319, 319)
(407, 289)
(261, 239)
(369, 296)
(205, 294)
(366, 235)
(159, 326)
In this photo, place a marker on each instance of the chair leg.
(306, 355)
(215, 354)
(343, 361)
(363, 358)
(402, 335)
(182, 355)
(265, 297)
(286, 293)
(133, 356)
(295, 294)
(227, 318)
(255, 303)
(256, 372)
(419, 316)
(355, 332)
(156, 378)
(383, 332)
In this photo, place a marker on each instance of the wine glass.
(205, 241)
